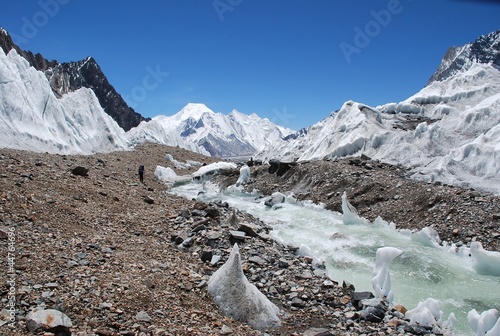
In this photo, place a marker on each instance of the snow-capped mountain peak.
(198, 128)
(192, 110)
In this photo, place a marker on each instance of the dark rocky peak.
(486, 49)
(71, 76)
(35, 60)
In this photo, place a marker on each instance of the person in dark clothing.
(141, 173)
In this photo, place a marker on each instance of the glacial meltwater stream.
(349, 251)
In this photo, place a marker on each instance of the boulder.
(80, 171)
(48, 320)
(317, 332)
(236, 237)
(357, 297)
(280, 168)
(250, 229)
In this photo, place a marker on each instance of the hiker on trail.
(141, 173)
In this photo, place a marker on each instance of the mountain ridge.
(70, 76)
(447, 132)
(202, 130)
(485, 49)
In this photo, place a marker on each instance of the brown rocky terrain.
(123, 258)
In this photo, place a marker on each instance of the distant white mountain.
(199, 129)
(32, 118)
(448, 132)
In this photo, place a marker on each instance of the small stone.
(148, 283)
(80, 171)
(3, 234)
(283, 263)
(206, 256)
(299, 303)
(143, 316)
(215, 259)
(400, 308)
(106, 305)
(236, 236)
(250, 229)
(317, 332)
(225, 330)
(257, 260)
(305, 275)
(212, 212)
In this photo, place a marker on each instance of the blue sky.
(292, 61)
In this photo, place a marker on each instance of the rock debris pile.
(113, 256)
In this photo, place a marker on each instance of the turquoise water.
(348, 252)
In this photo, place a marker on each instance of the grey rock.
(197, 213)
(317, 332)
(225, 330)
(236, 236)
(257, 260)
(357, 297)
(250, 229)
(305, 275)
(48, 320)
(212, 212)
(143, 316)
(215, 259)
(283, 263)
(297, 302)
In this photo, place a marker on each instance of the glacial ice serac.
(238, 298)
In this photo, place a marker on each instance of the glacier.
(448, 132)
(33, 118)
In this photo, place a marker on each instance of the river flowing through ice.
(348, 252)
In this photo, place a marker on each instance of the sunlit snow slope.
(199, 129)
(32, 118)
(447, 132)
